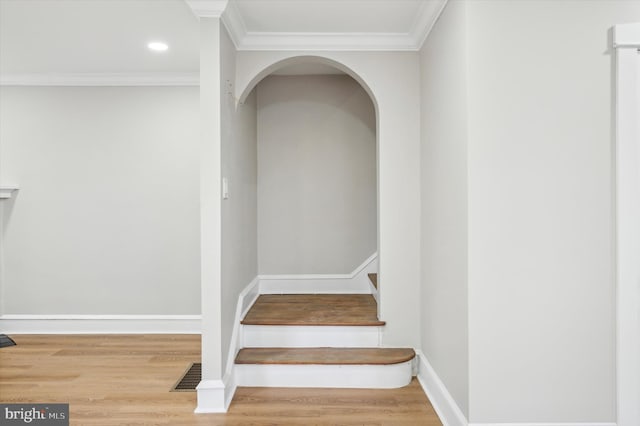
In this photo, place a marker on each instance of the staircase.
(318, 340)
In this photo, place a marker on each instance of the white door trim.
(626, 39)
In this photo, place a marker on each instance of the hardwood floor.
(314, 309)
(125, 380)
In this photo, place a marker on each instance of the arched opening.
(310, 65)
(317, 168)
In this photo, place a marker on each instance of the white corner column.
(627, 42)
(211, 390)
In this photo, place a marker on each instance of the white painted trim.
(101, 79)
(6, 191)
(427, 19)
(100, 324)
(322, 285)
(2, 293)
(246, 298)
(542, 424)
(308, 41)
(357, 282)
(210, 210)
(438, 394)
(626, 35)
(267, 336)
(214, 396)
(207, 8)
(326, 376)
(211, 397)
(328, 41)
(626, 39)
(234, 23)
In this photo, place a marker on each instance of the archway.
(314, 115)
(245, 83)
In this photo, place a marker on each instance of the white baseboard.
(101, 79)
(249, 296)
(449, 412)
(357, 282)
(441, 400)
(214, 396)
(211, 397)
(542, 424)
(100, 324)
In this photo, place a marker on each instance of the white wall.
(541, 290)
(444, 192)
(316, 175)
(239, 211)
(106, 221)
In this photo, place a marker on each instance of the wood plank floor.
(125, 380)
(325, 356)
(314, 309)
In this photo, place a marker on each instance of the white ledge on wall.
(6, 191)
(626, 35)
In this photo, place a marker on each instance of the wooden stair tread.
(374, 279)
(314, 310)
(325, 356)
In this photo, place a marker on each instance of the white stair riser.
(262, 336)
(325, 376)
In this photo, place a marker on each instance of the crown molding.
(326, 41)
(207, 8)
(233, 21)
(243, 39)
(101, 79)
(427, 17)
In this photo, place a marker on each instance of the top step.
(314, 310)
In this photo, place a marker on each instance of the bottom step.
(373, 368)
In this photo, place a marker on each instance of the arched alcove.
(317, 167)
(389, 79)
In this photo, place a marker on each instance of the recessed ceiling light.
(158, 46)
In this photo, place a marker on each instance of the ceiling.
(91, 37)
(329, 16)
(330, 24)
